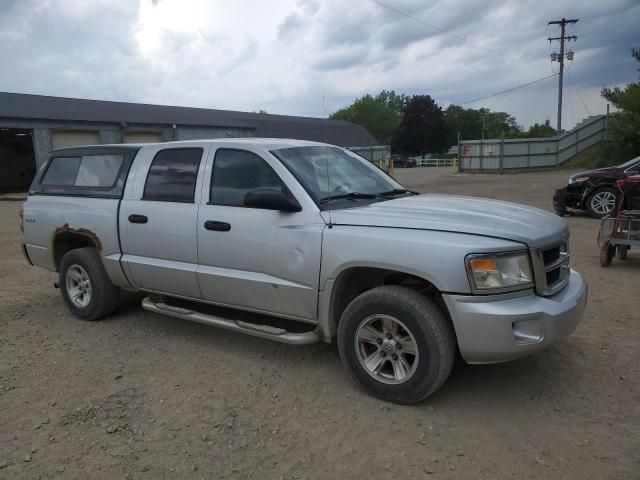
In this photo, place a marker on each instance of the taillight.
(22, 220)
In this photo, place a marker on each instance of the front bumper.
(571, 196)
(498, 328)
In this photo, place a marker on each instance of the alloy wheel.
(386, 349)
(78, 286)
(603, 202)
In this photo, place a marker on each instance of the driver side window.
(236, 172)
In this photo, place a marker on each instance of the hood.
(598, 172)
(477, 216)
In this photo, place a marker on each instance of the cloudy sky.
(283, 56)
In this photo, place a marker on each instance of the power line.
(577, 89)
(509, 90)
(443, 30)
(430, 25)
(464, 39)
(571, 102)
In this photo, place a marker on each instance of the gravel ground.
(143, 396)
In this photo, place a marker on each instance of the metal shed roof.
(42, 107)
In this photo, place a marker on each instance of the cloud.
(16, 19)
(285, 55)
(292, 23)
(341, 59)
(309, 7)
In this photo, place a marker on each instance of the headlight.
(578, 179)
(496, 272)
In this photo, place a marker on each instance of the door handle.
(134, 218)
(217, 226)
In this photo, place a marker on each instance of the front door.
(257, 259)
(158, 220)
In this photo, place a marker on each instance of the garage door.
(17, 160)
(142, 137)
(71, 138)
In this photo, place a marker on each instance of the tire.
(599, 201)
(82, 276)
(606, 255)
(421, 325)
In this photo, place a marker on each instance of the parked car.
(303, 242)
(594, 190)
(402, 161)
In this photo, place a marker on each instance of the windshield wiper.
(357, 195)
(397, 191)
(353, 195)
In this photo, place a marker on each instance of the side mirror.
(270, 199)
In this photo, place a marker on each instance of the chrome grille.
(551, 267)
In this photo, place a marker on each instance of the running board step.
(256, 330)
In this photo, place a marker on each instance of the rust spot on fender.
(60, 230)
(85, 232)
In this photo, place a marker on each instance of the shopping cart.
(621, 230)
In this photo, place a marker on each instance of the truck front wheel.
(396, 343)
(85, 286)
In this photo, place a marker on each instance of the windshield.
(329, 173)
(630, 162)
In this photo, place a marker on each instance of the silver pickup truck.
(301, 242)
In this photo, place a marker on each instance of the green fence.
(497, 155)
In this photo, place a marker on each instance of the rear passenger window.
(62, 171)
(172, 175)
(98, 170)
(235, 172)
(87, 171)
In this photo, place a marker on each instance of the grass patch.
(606, 154)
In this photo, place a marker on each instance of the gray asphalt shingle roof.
(42, 107)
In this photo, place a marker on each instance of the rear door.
(158, 219)
(257, 259)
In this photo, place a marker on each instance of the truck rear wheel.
(396, 343)
(85, 286)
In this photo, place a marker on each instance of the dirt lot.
(143, 396)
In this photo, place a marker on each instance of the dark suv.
(594, 190)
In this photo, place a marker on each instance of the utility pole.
(561, 58)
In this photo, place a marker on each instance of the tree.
(540, 130)
(497, 124)
(472, 124)
(393, 101)
(624, 126)
(377, 114)
(466, 121)
(422, 129)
